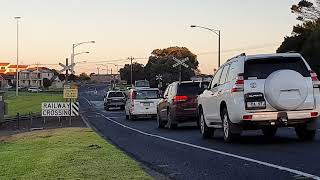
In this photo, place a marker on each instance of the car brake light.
(180, 98)
(314, 114)
(315, 80)
(247, 117)
(239, 85)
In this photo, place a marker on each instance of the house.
(33, 77)
(3, 67)
(13, 68)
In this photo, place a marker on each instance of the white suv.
(261, 92)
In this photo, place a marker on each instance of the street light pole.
(17, 69)
(72, 55)
(131, 73)
(218, 33)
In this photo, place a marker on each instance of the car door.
(163, 103)
(222, 90)
(210, 97)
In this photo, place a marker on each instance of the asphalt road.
(183, 154)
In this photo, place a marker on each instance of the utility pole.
(67, 72)
(131, 73)
(17, 69)
(111, 71)
(98, 68)
(219, 48)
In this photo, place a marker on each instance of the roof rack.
(240, 55)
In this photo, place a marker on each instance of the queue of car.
(257, 92)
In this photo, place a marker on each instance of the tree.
(305, 37)
(84, 77)
(46, 82)
(307, 11)
(161, 61)
(55, 72)
(72, 77)
(137, 72)
(62, 77)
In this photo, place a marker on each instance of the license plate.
(259, 104)
(146, 104)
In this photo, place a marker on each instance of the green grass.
(29, 102)
(70, 153)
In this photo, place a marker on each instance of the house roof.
(4, 64)
(20, 66)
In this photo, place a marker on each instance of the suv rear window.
(262, 68)
(115, 94)
(189, 89)
(146, 94)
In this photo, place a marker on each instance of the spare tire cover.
(286, 90)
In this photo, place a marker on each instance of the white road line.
(87, 100)
(297, 172)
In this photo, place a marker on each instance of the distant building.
(33, 77)
(106, 78)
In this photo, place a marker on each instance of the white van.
(142, 103)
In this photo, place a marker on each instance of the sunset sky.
(123, 28)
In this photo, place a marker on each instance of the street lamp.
(17, 69)
(72, 55)
(217, 32)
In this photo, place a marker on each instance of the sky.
(124, 28)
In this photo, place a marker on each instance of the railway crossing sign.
(181, 62)
(60, 109)
(159, 77)
(66, 67)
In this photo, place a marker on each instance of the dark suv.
(114, 99)
(179, 103)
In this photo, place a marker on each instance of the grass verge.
(29, 102)
(70, 153)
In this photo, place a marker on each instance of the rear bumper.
(273, 116)
(114, 104)
(186, 115)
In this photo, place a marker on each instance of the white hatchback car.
(261, 92)
(34, 89)
(142, 102)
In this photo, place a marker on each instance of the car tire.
(160, 123)
(269, 132)
(131, 117)
(228, 136)
(304, 134)
(127, 117)
(169, 123)
(206, 132)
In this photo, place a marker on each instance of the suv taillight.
(239, 85)
(180, 98)
(315, 80)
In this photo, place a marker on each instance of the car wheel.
(205, 131)
(304, 134)
(228, 136)
(161, 124)
(127, 117)
(170, 124)
(269, 131)
(131, 117)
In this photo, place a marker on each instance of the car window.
(189, 89)
(262, 68)
(146, 94)
(166, 93)
(224, 74)
(216, 78)
(233, 72)
(115, 94)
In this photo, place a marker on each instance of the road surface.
(183, 154)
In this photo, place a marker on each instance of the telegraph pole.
(131, 77)
(17, 69)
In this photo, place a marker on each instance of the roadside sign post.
(180, 63)
(70, 92)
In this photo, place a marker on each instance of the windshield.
(115, 94)
(190, 89)
(146, 94)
